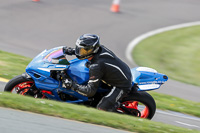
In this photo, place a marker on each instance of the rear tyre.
(140, 104)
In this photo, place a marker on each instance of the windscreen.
(56, 53)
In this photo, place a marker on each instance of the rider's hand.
(68, 83)
(68, 51)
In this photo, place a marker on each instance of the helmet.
(86, 46)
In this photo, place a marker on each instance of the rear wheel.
(140, 104)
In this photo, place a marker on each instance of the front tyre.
(20, 85)
(140, 104)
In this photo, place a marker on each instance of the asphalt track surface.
(27, 28)
(49, 124)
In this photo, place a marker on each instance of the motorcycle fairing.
(147, 78)
(40, 68)
(78, 72)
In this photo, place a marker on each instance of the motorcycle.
(46, 74)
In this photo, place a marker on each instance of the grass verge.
(175, 53)
(85, 114)
(12, 65)
(167, 102)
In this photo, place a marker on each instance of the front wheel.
(140, 104)
(20, 85)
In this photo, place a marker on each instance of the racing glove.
(71, 84)
(68, 50)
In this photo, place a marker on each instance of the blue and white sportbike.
(46, 73)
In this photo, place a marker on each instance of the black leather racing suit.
(107, 67)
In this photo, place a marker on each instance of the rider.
(103, 66)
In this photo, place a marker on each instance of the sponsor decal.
(148, 87)
(152, 82)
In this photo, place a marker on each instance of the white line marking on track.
(136, 41)
(176, 115)
(186, 124)
(3, 80)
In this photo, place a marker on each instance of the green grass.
(12, 65)
(85, 114)
(175, 53)
(167, 102)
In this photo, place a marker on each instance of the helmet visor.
(83, 52)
